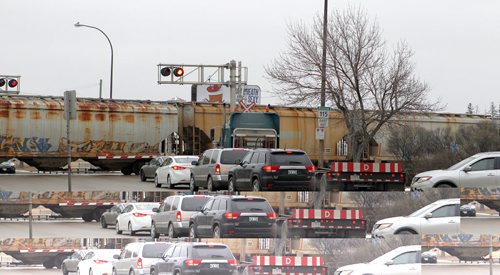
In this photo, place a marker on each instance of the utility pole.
(232, 85)
(30, 214)
(323, 81)
(69, 114)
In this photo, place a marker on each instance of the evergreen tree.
(470, 109)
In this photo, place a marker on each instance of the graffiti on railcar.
(13, 144)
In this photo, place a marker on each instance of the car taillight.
(192, 262)
(137, 214)
(139, 262)
(270, 168)
(311, 168)
(232, 262)
(99, 261)
(217, 169)
(178, 216)
(232, 215)
(176, 167)
(271, 215)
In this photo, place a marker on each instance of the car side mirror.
(194, 162)
(156, 210)
(428, 215)
(467, 169)
(117, 257)
(389, 262)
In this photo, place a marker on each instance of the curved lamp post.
(111, 46)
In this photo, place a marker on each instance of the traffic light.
(165, 71)
(13, 83)
(2, 82)
(177, 71)
(9, 84)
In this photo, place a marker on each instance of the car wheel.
(117, 228)
(91, 272)
(217, 232)
(157, 184)
(103, 223)
(153, 272)
(171, 232)
(256, 185)
(154, 235)
(114, 272)
(210, 184)
(192, 231)
(230, 185)
(131, 272)
(192, 185)
(78, 271)
(169, 182)
(131, 232)
(142, 176)
(64, 270)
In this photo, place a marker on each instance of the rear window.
(232, 157)
(251, 205)
(185, 159)
(216, 252)
(193, 203)
(290, 158)
(154, 250)
(148, 206)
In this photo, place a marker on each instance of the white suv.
(479, 170)
(403, 260)
(136, 258)
(442, 216)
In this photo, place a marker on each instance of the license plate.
(214, 265)
(276, 271)
(292, 172)
(253, 219)
(354, 177)
(315, 224)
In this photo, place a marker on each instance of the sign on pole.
(323, 116)
(70, 105)
(320, 133)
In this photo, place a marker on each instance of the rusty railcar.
(110, 134)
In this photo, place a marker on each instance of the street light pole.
(111, 46)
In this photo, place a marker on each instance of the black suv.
(196, 258)
(268, 169)
(234, 216)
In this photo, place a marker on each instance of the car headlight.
(383, 226)
(422, 179)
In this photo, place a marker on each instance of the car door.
(406, 263)
(73, 261)
(200, 171)
(173, 260)
(445, 219)
(150, 169)
(481, 174)
(113, 213)
(202, 221)
(164, 170)
(243, 172)
(124, 217)
(121, 266)
(162, 266)
(162, 217)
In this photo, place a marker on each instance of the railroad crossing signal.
(246, 107)
(9, 84)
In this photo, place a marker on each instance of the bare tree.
(368, 85)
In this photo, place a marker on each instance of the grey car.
(211, 170)
(71, 263)
(109, 217)
(136, 258)
(172, 217)
(148, 170)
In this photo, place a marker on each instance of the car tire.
(192, 185)
(88, 217)
(256, 185)
(91, 272)
(230, 185)
(169, 182)
(153, 232)
(217, 233)
(142, 176)
(153, 272)
(157, 184)
(131, 232)
(117, 228)
(210, 184)
(192, 231)
(171, 231)
(103, 223)
(114, 272)
(131, 272)
(78, 271)
(64, 270)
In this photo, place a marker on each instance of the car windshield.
(6, 163)
(232, 156)
(462, 163)
(193, 203)
(218, 252)
(422, 211)
(251, 205)
(185, 159)
(147, 206)
(290, 158)
(155, 250)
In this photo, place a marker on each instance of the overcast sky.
(456, 42)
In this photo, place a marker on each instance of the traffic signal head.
(12, 83)
(178, 72)
(165, 71)
(2, 82)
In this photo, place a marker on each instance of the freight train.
(123, 135)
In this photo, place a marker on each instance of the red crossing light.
(178, 72)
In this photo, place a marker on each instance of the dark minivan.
(196, 258)
(273, 169)
(234, 216)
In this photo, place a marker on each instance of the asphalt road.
(29, 271)
(459, 269)
(69, 228)
(39, 182)
(480, 225)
